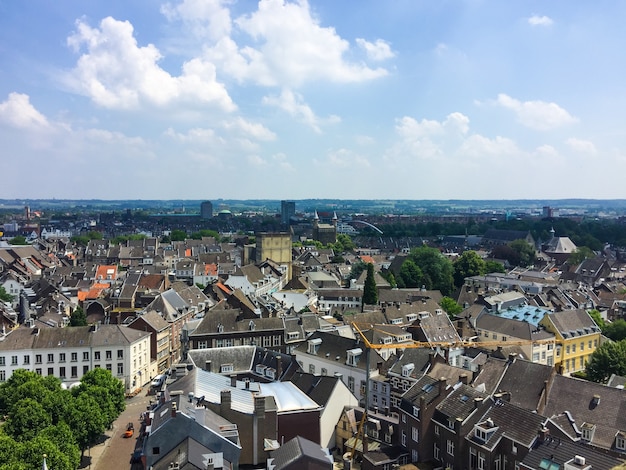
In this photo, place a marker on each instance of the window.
(276, 341)
(38, 358)
(120, 354)
(26, 360)
(85, 356)
(536, 357)
(436, 451)
(74, 371)
(589, 344)
(582, 345)
(109, 355)
(414, 456)
(2, 362)
(38, 371)
(388, 438)
(120, 368)
(567, 349)
(620, 441)
(85, 369)
(415, 434)
(403, 438)
(450, 447)
(109, 368)
(324, 371)
(74, 357)
(573, 348)
(481, 461)
(156, 450)
(203, 344)
(436, 430)
(3, 376)
(13, 360)
(312, 369)
(50, 371)
(351, 383)
(513, 448)
(61, 357)
(97, 355)
(62, 372)
(416, 411)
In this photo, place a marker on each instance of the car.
(136, 457)
(158, 381)
(130, 430)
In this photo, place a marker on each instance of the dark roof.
(460, 403)
(318, 388)
(293, 454)
(525, 381)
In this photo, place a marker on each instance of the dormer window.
(587, 430)
(407, 369)
(314, 345)
(411, 317)
(396, 321)
(353, 356)
(620, 441)
(387, 340)
(484, 430)
(226, 368)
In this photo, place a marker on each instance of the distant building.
(275, 246)
(325, 232)
(287, 211)
(206, 210)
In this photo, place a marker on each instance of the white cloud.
(196, 135)
(251, 129)
(344, 158)
(294, 105)
(17, 111)
(206, 19)
(379, 50)
(280, 160)
(538, 115)
(581, 146)
(117, 73)
(289, 47)
(256, 160)
(481, 147)
(537, 20)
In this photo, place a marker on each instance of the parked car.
(158, 381)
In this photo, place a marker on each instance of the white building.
(69, 353)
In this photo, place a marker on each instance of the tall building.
(287, 211)
(206, 210)
(275, 246)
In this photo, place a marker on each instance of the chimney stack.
(225, 400)
(477, 402)
(174, 409)
(543, 434)
(464, 378)
(443, 385)
(207, 366)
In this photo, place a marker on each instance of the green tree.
(467, 265)
(370, 292)
(450, 306)
(525, 251)
(94, 235)
(100, 377)
(26, 419)
(178, 235)
(595, 315)
(579, 255)
(436, 268)
(494, 267)
(80, 240)
(5, 296)
(410, 274)
(86, 420)
(19, 240)
(356, 270)
(615, 330)
(63, 437)
(78, 317)
(609, 358)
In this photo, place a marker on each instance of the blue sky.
(277, 99)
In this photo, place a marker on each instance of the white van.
(158, 381)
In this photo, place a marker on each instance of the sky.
(278, 99)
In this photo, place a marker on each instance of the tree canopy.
(370, 292)
(4, 295)
(450, 306)
(609, 358)
(78, 317)
(467, 265)
(427, 267)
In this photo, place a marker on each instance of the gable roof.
(297, 452)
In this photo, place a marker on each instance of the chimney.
(225, 400)
(477, 402)
(174, 409)
(279, 367)
(207, 366)
(247, 383)
(233, 381)
(259, 406)
(464, 378)
(543, 434)
(443, 384)
(512, 357)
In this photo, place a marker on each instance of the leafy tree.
(615, 330)
(18, 240)
(370, 292)
(86, 420)
(178, 235)
(5, 296)
(436, 268)
(450, 306)
(78, 317)
(467, 265)
(507, 253)
(81, 240)
(102, 378)
(494, 267)
(579, 255)
(94, 235)
(609, 358)
(344, 243)
(595, 315)
(525, 251)
(26, 419)
(410, 274)
(62, 436)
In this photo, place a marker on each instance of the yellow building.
(577, 337)
(274, 246)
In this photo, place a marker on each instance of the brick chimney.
(464, 378)
(443, 384)
(543, 434)
(225, 400)
(174, 410)
(207, 366)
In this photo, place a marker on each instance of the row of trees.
(428, 267)
(44, 418)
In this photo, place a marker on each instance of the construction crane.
(418, 344)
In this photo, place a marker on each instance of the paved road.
(115, 451)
